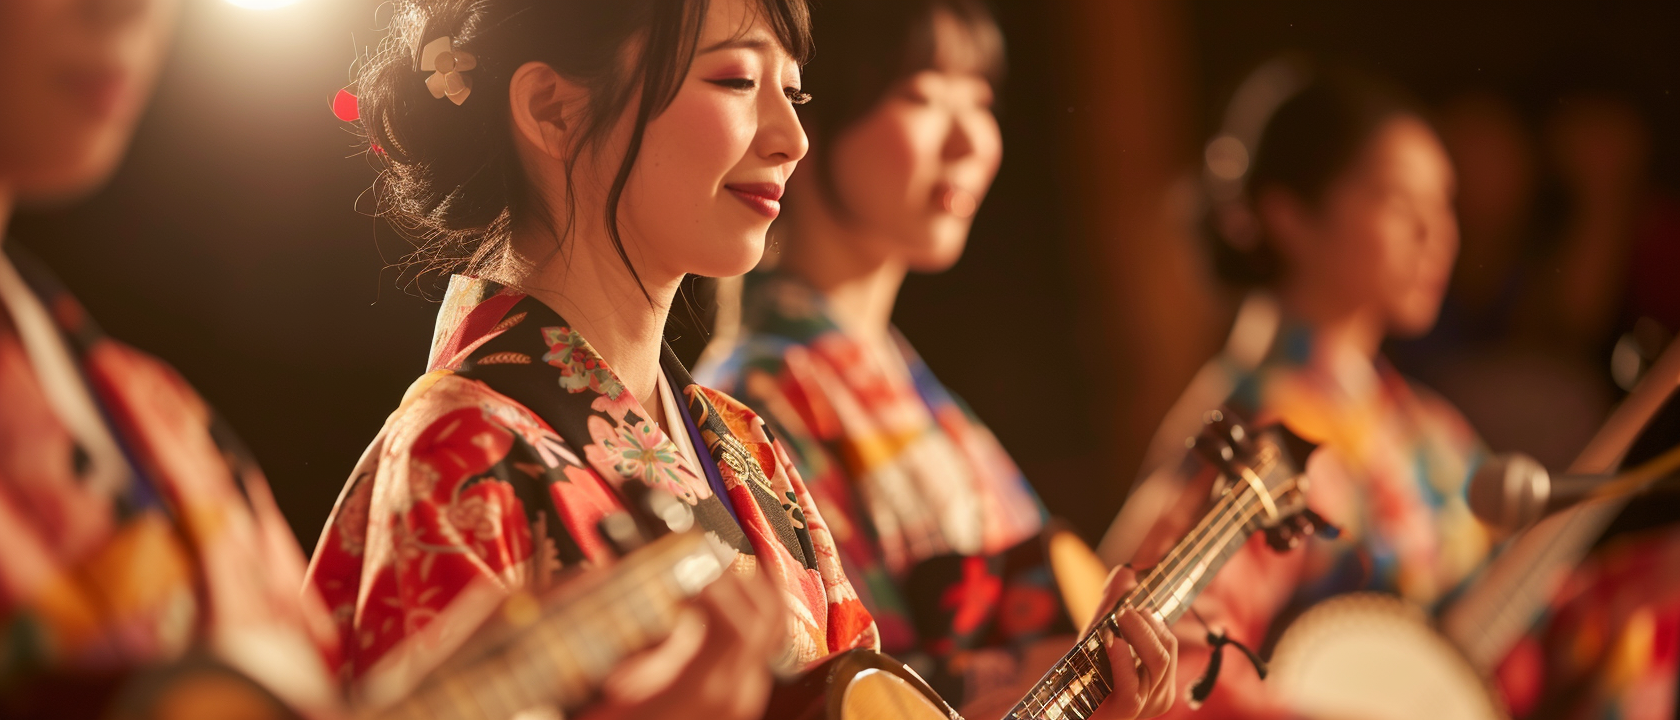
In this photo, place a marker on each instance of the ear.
(540, 100)
(1287, 223)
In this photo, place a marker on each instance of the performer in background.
(1345, 217)
(143, 562)
(582, 158)
(932, 519)
(1342, 226)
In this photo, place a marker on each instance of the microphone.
(1512, 491)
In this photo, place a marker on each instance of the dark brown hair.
(864, 48)
(451, 181)
(1309, 142)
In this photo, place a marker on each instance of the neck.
(588, 284)
(1338, 329)
(859, 286)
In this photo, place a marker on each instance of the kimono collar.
(524, 350)
(786, 308)
(774, 303)
(58, 337)
(1298, 346)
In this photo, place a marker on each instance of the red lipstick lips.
(762, 197)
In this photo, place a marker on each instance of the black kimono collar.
(524, 350)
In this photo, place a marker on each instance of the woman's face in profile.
(713, 165)
(1385, 234)
(914, 170)
(77, 76)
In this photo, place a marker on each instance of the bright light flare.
(262, 4)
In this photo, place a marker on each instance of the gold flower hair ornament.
(447, 65)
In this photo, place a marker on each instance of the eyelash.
(794, 95)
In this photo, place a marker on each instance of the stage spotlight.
(262, 4)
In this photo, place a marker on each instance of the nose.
(959, 142)
(781, 137)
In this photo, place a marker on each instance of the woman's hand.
(715, 665)
(1144, 657)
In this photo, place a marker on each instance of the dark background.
(230, 246)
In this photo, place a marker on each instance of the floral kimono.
(1392, 474)
(931, 516)
(140, 544)
(496, 469)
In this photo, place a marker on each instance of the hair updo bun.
(451, 181)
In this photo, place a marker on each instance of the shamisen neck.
(1079, 682)
(1168, 588)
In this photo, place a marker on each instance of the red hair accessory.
(346, 107)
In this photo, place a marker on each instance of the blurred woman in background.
(931, 517)
(143, 564)
(1343, 224)
(1344, 216)
(600, 153)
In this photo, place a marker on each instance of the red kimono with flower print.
(496, 469)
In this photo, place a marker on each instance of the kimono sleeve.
(463, 497)
(850, 623)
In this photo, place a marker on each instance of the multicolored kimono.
(1392, 474)
(498, 466)
(138, 543)
(931, 516)
(1609, 648)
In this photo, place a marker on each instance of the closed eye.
(796, 96)
(743, 84)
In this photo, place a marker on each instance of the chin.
(734, 256)
(937, 251)
(1415, 323)
(71, 174)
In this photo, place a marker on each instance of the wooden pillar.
(1155, 312)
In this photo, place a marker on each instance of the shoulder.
(728, 364)
(785, 380)
(1433, 413)
(453, 438)
(142, 392)
(445, 408)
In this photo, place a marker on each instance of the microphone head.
(1510, 491)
